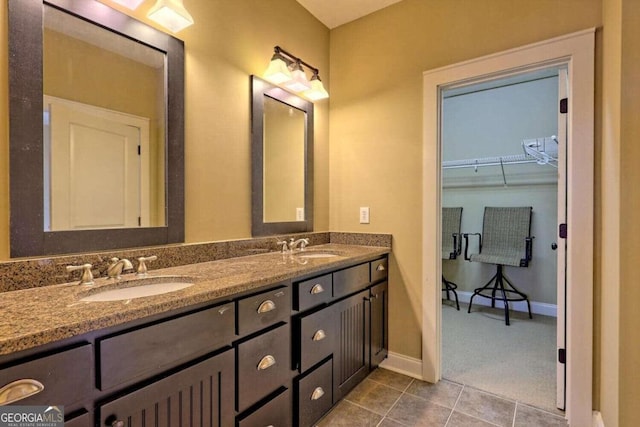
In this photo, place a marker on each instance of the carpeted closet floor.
(516, 361)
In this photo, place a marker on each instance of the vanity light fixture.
(278, 70)
(286, 70)
(317, 90)
(131, 4)
(298, 82)
(170, 14)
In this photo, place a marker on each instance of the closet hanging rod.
(516, 159)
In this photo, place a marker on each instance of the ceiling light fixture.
(286, 70)
(170, 14)
(131, 4)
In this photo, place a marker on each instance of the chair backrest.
(451, 218)
(504, 230)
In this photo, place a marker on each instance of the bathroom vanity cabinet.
(279, 355)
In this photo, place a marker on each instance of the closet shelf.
(538, 150)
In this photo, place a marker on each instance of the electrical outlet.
(364, 215)
(299, 214)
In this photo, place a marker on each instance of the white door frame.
(577, 52)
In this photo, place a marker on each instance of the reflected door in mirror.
(104, 100)
(284, 157)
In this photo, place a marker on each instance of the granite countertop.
(38, 316)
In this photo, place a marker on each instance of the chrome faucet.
(117, 266)
(302, 242)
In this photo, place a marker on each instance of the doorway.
(502, 146)
(576, 52)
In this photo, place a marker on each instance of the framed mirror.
(282, 160)
(96, 129)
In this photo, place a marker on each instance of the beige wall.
(629, 389)
(230, 41)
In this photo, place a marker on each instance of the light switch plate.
(364, 215)
(299, 214)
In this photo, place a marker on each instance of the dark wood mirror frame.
(260, 89)
(28, 237)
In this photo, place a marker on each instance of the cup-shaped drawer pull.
(380, 267)
(319, 335)
(266, 306)
(117, 423)
(316, 289)
(18, 390)
(266, 362)
(318, 392)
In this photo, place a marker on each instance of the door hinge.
(138, 150)
(562, 231)
(562, 356)
(564, 105)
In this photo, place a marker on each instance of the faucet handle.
(87, 276)
(303, 244)
(284, 244)
(142, 266)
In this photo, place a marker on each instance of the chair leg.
(497, 284)
(450, 287)
(478, 290)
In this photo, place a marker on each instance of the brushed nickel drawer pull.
(224, 309)
(319, 335)
(317, 393)
(266, 362)
(316, 289)
(266, 306)
(18, 390)
(118, 423)
(380, 267)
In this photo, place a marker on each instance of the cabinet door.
(351, 356)
(379, 323)
(196, 396)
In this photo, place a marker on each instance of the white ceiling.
(334, 13)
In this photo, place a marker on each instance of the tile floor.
(388, 399)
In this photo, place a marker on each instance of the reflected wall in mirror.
(88, 85)
(282, 157)
(104, 116)
(283, 163)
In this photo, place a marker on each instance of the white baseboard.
(402, 364)
(542, 308)
(597, 419)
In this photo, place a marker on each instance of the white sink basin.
(139, 288)
(316, 254)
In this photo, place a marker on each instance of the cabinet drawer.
(263, 365)
(200, 395)
(67, 377)
(350, 280)
(147, 351)
(314, 394)
(317, 339)
(83, 420)
(262, 310)
(379, 269)
(312, 292)
(275, 413)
